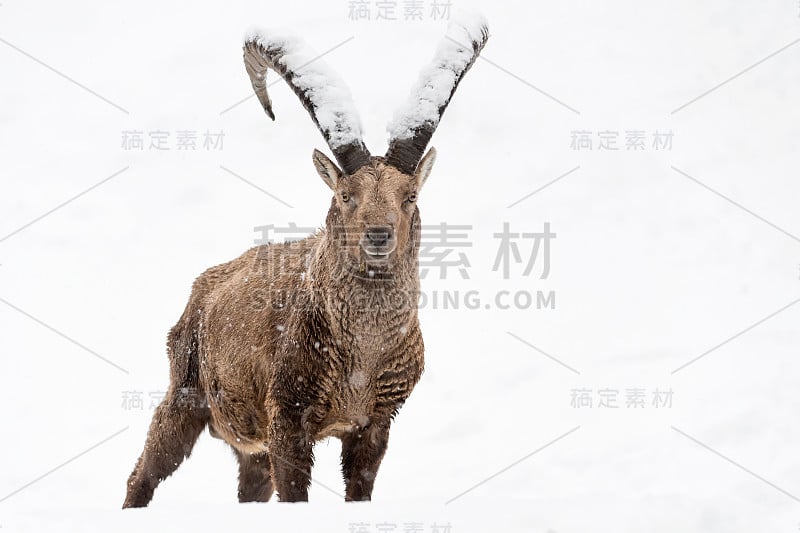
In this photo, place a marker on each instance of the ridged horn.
(324, 95)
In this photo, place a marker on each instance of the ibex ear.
(424, 167)
(327, 169)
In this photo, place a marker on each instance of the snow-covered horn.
(414, 123)
(324, 95)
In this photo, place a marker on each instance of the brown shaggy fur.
(292, 343)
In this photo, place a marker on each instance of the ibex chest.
(373, 357)
(371, 381)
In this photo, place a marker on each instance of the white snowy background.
(651, 268)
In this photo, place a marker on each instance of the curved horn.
(324, 95)
(414, 123)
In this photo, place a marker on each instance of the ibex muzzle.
(378, 241)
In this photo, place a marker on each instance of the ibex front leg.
(362, 452)
(291, 457)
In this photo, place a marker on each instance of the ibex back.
(292, 343)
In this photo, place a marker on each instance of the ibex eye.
(411, 198)
(345, 197)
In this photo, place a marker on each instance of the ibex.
(296, 342)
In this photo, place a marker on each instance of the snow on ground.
(650, 267)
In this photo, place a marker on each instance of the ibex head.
(373, 213)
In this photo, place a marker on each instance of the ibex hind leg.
(181, 416)
(173, 432)
(255, 481)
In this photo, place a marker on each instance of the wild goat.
(292, 343)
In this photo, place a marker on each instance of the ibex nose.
(378, 236)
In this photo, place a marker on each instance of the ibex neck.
(363, 306)
(330, 267)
